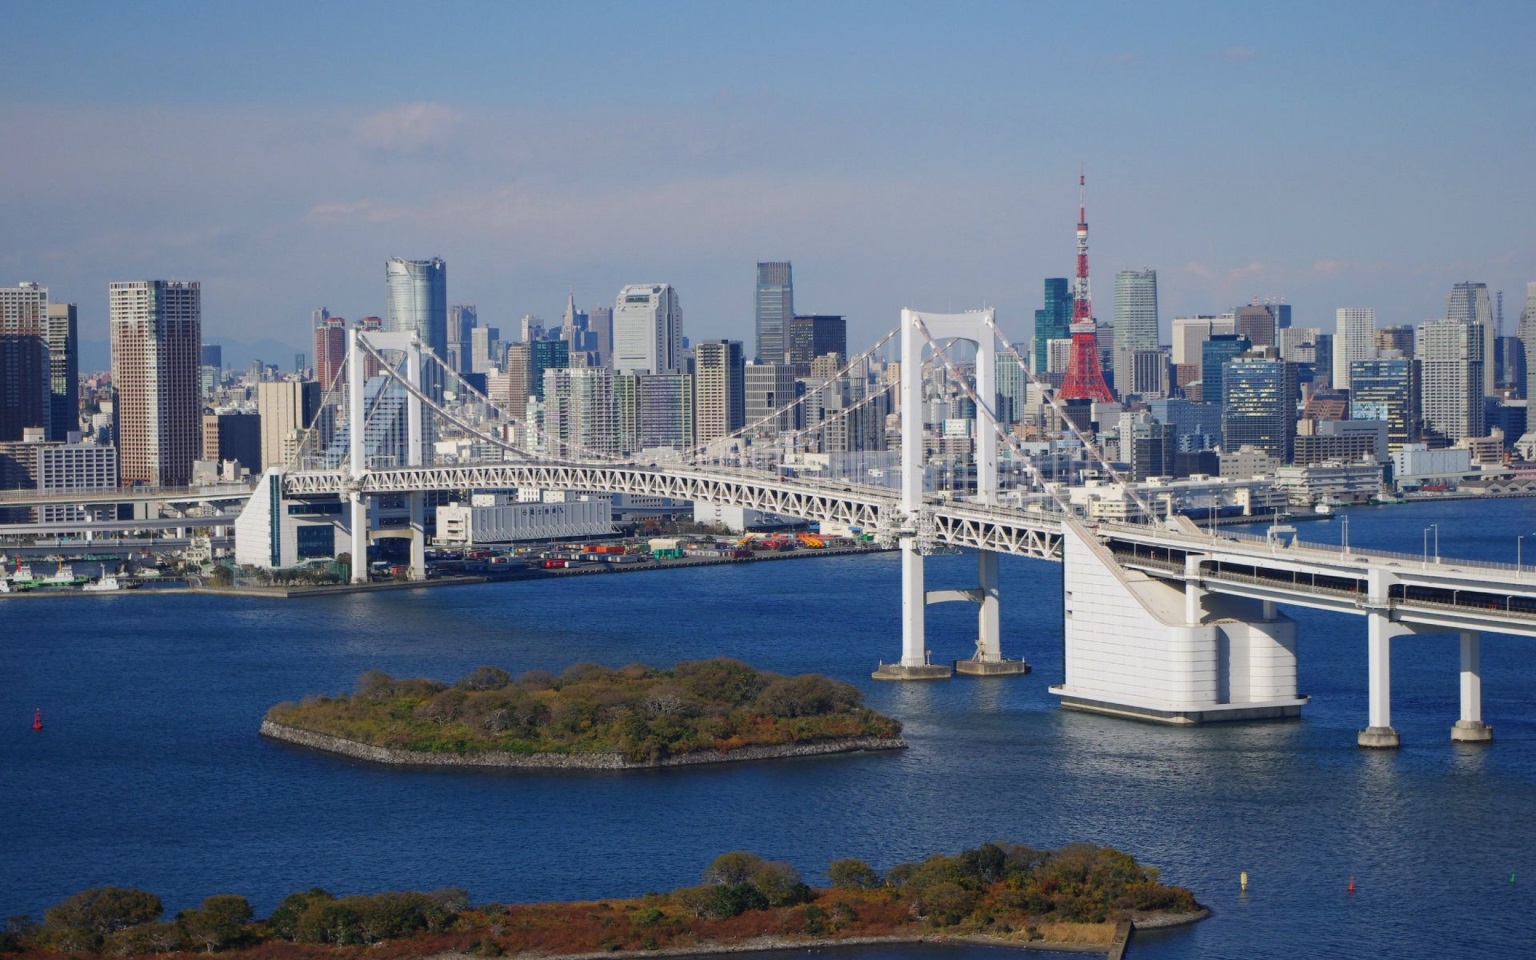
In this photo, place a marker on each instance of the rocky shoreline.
(592, 761)
(770, 944)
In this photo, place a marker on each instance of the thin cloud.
(1240, 53)
(409, 127)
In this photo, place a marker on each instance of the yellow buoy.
(1243, 879)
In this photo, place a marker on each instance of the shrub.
(484, 678)
(851, 874)
(733, 868)
(85, 920)
(284, 921)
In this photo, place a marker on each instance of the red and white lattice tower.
(1085, 376)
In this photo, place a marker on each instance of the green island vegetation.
(998, 892)
(641, 713)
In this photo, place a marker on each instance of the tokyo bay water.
(149, 771)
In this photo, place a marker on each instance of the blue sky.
(900, 154)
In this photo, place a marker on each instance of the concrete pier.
(1470, 728)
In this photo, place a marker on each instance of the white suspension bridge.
(1163, 622)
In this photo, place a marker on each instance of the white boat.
(105, 585)
(62, 577)
(5, 585)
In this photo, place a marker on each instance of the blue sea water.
(150, 772)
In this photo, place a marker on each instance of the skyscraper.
(600, 324)
(812, 336)
(770, 387)
(157, 335)
(1527, 442)
(26, 398)
(62, 336)
(1451, 360)
(1054, 322)
(775, 308)
(547, 355)
(1258, 324)
(462, 318)
(579, 415)
(1468, 302)
(666, 411)
(418, 300)
(330, 349)
(1214, 354)
(1259, 405)
(719, 383)
(1386, 389)
(1135, 325)
(648, 329)
(1354, 339)
(287, 409)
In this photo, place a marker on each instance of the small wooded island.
(1079, 896)
(589, 716)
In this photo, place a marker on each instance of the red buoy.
(1351, 884)
(37, 719)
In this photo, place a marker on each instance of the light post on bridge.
(1520, 542)
(1435, 527)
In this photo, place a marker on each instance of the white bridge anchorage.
(1163, 621)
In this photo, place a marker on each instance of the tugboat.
(106, 584)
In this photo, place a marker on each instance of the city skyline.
(532, 187)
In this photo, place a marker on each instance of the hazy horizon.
(898, 154)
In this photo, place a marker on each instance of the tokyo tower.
(1085, 376)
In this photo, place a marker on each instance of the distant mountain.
(97, 354)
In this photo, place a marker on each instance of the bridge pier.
(1147, 649)
(1471, 728)
(357, 525)
(1380, 631)
(914, 663)
(988, 660)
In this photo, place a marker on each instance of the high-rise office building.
(812, 336)
(1386, 389)
(330, 350)
(26, 386)
(600, 325)
(666, 411)
(1259, 405)
(1012, 386)
(648, 329)
(287, 409)
(1451, 359)
(1190, 332)
(770, 387)
(462, 318)
(1258, 324)
(1053, 322)
(418, 301)
(61, 333)
(1135, 325)
(1299, 344)
(157, 337)
(719, 389)
(1354, 339)
(1398, 338)
(547, 355)
(579, 415)
(775, 308)
(233, 436)
(1527, 442)
(512, 388)
(1214, 354)
(1468, 302)
(483, 353)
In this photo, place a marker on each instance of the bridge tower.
(357, 455)
(917, 330)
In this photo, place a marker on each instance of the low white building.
(500, 518)
(276, 532)
(1330, 482)
(1415, 464)
(734, 519)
